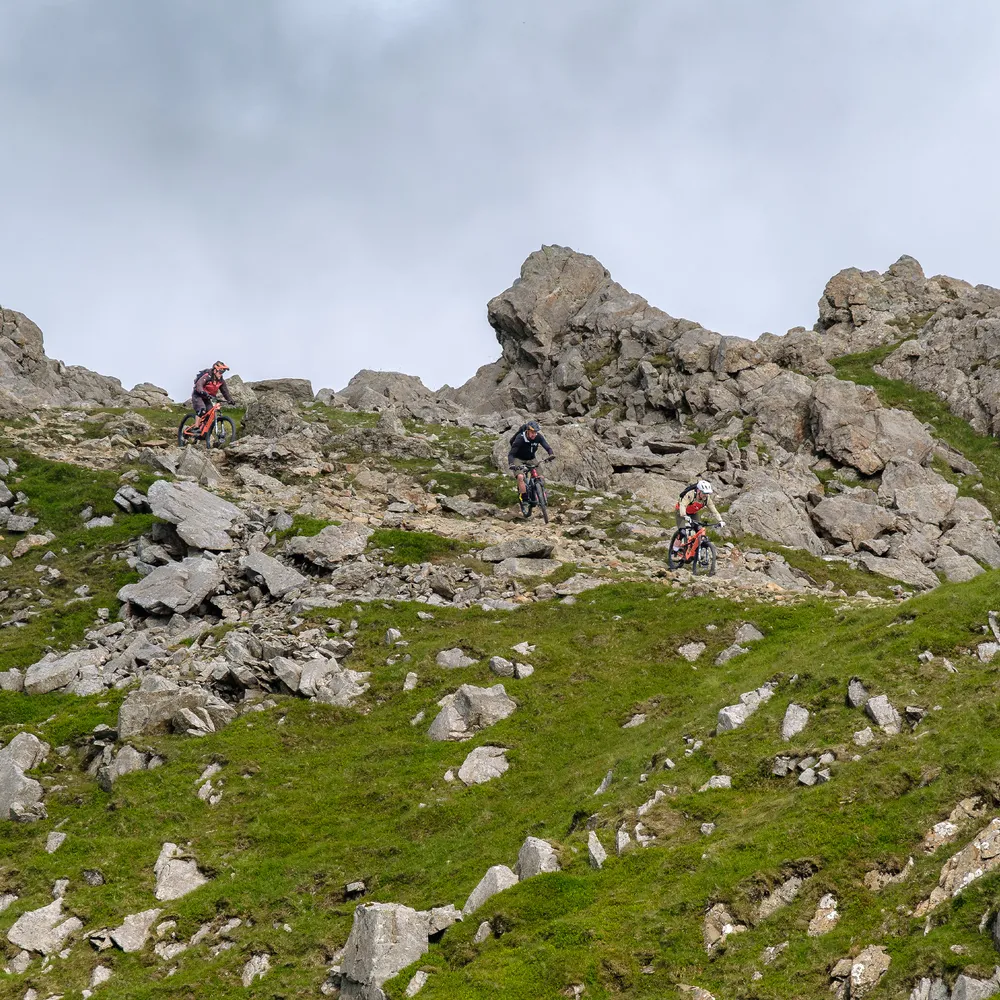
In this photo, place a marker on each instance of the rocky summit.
(321, 713)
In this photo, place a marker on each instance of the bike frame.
(202, 427)
(691, 545)
(533, 481)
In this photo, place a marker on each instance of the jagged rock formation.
(624, 389)
(29, 378)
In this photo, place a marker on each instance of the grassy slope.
(329, 796)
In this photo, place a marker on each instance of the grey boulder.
(176, 875)
(385, 938)
(516, 548)
(453, 659)
(203, 520)
(496, 880)
(483, 764)
(880, 710)
(469, 710)
(535, 857)
(44, 930)
(332, 545)
(794, 722)
(158, 706)
(278, 578)
(132, 934)
(175, 588)
(53, 672)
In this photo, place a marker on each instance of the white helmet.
(704, 486)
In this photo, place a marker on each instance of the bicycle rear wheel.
(675, 553)
(705, 559)
(223, 433)
(184, 437)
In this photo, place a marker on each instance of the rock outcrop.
(28, 378)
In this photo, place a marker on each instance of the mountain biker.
(209, 383)
(693, 499)
(523, 446)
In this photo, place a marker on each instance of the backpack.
(204, 371)
(520, 430)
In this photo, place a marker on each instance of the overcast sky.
(311, 187)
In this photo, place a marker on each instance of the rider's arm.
(710, 504)
(225, 392)
(545, 444)
(199, 386)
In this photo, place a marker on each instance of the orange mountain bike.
(692, 547)
(211, 427)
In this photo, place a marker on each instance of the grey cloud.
(309, 187)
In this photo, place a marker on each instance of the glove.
(721, 524)
(551, 458)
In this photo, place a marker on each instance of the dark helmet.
(533, 425)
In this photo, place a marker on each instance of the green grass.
(57, 492)
(335, 795)
(978, 448)
(303, 524)
(404, 548)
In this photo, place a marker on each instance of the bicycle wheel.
(705, 559)
(223, 432)
(543, 500)
(187, 424)
(675, 556)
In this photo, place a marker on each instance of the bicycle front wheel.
(543, 500)
(185, 433)
(223, 433)
(705, 559)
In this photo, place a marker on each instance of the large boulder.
(917, 492)
(174, 588)
(496, 880)
(373, 390)
(272, 415)
(332, 545)
(176, 873)
(53, 672)
(159, 706)
(278, 578)
(44, 931)
(300, 389)
(767, 511)
(846, 519)
(850, 425)
(385, 938)
(581, 456)
(908, 570)
(203, 519)
(469, 710)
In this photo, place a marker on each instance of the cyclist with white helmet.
(693, 500)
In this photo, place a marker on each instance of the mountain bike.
(211, 427)
(534, 490)
(692, 547)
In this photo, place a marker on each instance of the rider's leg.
(200, 403)
(520, 483)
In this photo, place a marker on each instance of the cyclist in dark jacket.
(523, 446)
(209, 384)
